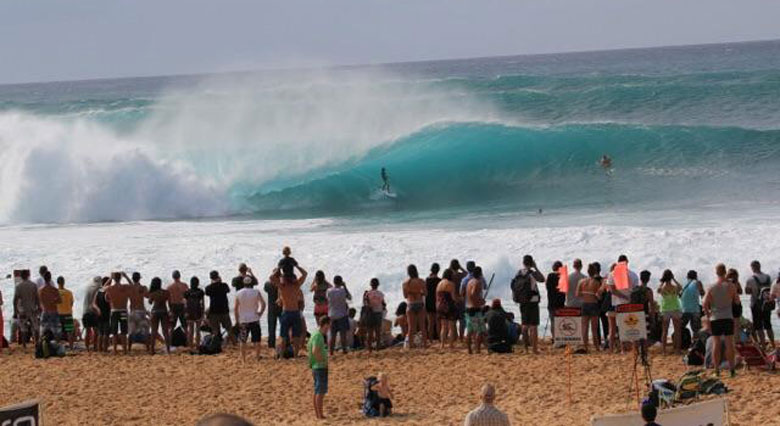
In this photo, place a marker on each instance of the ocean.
(489, 158)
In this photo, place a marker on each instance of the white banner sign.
(631, 323)
(701, 414)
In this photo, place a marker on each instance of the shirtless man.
(588, 290)
(49, 297)
(414, 293)
(475, 318)
(176, 290)
(138, 319)
(291, 296)
(117, 296)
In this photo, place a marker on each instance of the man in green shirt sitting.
(318, 361)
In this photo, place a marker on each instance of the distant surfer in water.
(606, 163)
(386, 182)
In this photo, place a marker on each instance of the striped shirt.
(486, 415)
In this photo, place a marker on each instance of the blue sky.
(43, 40)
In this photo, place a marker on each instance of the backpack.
(178, 337)
(689, 385)
(211, 345)
(522, 290)
(370, 406)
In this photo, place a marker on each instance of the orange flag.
(563, 279)
(620, 275)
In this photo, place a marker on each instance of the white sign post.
(568, 326)
(631, 323)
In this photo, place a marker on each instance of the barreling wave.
(481, 165)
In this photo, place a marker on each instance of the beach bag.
(689, 385)
(712, 386)
(665, 390)
(522, 290)
(211, 345)
(370, 406)
(178, 337)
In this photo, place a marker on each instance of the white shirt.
(40, 283)
(248, 300)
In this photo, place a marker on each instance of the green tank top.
(670, 302)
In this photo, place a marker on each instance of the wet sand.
(431, 387)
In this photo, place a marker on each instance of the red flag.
(563, 279)
(620, 276)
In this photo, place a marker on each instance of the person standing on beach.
(65, 311)
(528, 278)
(430, 301)
(89, 317)
(732, 277)
(457, 278)
(475, 317)
(338, 311)
(414, 293)
(619, 297)
(670, 290)
(138, 324)
(159, 299)
(690, 300)
(103, 308)
(244, 272)
(718, 304)
(375, 300)
(319, 287)
(447, 309)
(572, 300)
(588, 290)
(758, 287)
(196, 306)
(318, 362)
(219, 311)
(26, 305)
(41, 280)
(49, 298)
(248, 309)
(117, 296)
(487, 414)
(176, 290)
(274, 312)
(555, 298)
(291, 327)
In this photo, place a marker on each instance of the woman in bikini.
(159, 298)
(588, 290)
(446, 309)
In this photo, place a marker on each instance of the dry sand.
(431, 387)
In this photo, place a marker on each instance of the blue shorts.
(320, 381)
(290, 320)
(340, 325)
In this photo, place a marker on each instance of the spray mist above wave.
(183, 156)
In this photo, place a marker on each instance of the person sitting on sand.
(447, 309)
(498, 329)
(318, 362)
(588, 290)
(159, 298)
(385, 394)
(401, 320)
(414, 293)
(475, 319)
(487, 414)
(248, 309)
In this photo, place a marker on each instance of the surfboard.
(389, 194)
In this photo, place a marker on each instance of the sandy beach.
(431, 387)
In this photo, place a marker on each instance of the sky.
(47, 40)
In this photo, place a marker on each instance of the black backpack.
(522, 290)
(211, 345)
(178, 337)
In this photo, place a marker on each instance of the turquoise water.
(686, 127)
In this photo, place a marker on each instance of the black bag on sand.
(211, 345)
(178, 337)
